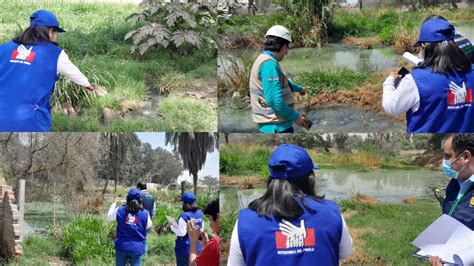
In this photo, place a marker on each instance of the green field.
(95, 42)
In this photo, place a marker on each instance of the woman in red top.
(209, 255)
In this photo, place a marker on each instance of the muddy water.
(325, 119)
(390, 186)
(332, 56)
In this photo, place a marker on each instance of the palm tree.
(193, 149)
(118, 144)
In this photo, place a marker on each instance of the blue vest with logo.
(182, 242)
(131, 231)
(312, 239)
(445, 103)
(27, 77)
(464, 212)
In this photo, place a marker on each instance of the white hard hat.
(279, 31)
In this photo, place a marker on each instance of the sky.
(211, 167)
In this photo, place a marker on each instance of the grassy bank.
(376, 240)
(240, 160)
(95, 42)
(387, 25)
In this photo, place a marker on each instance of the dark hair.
(35, 35)
(134, 206)
(463, 142)
(279, 199)
(212, 209)
(190, 207)
(274, 44)
(445, 57)
(141, 186)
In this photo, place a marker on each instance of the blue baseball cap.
(435, 30)
(188, 197)
(44, 18)
(134, 194)
(290, 161)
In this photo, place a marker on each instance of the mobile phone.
(403, 71)
(309, 125)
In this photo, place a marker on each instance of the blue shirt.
(270, 73)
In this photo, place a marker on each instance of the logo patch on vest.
(131, 219)
(471, 202)
(22, 55)
(459, 96)
(293, 240)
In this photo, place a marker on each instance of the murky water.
(385, 185)
(332, 56)
(325, 119)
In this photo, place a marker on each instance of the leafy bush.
(171, 82)
(239, 160)
(226, 225)
(172, 24)
(89, 237)
(331, 80)
(162, 210)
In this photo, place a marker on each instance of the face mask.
(447, 170)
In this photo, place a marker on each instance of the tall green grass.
(89, 237)
(391, 244)
(320, 80)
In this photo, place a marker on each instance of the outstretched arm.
(68, 69)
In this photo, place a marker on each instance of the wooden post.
(183, 187)
(21, 205)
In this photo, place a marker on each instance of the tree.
(210, 181)
(167, 167)
(193, 149)
(118, 145)
(340, 139)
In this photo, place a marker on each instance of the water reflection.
(385, 185)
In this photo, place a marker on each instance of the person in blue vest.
(191, 212)
(132, 224)
(458, 164)
(29, 67)
(271, 92)
(148, 202)
(437, 95)
(290, 224)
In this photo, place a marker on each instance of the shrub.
(173, 24)
(331, 80)
(89, 237)
(162, 210)
(171, 82)
(185, 114)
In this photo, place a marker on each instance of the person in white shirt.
(29, 68)
(437, 95)
(133, 223)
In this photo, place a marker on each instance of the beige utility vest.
(261, 112)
